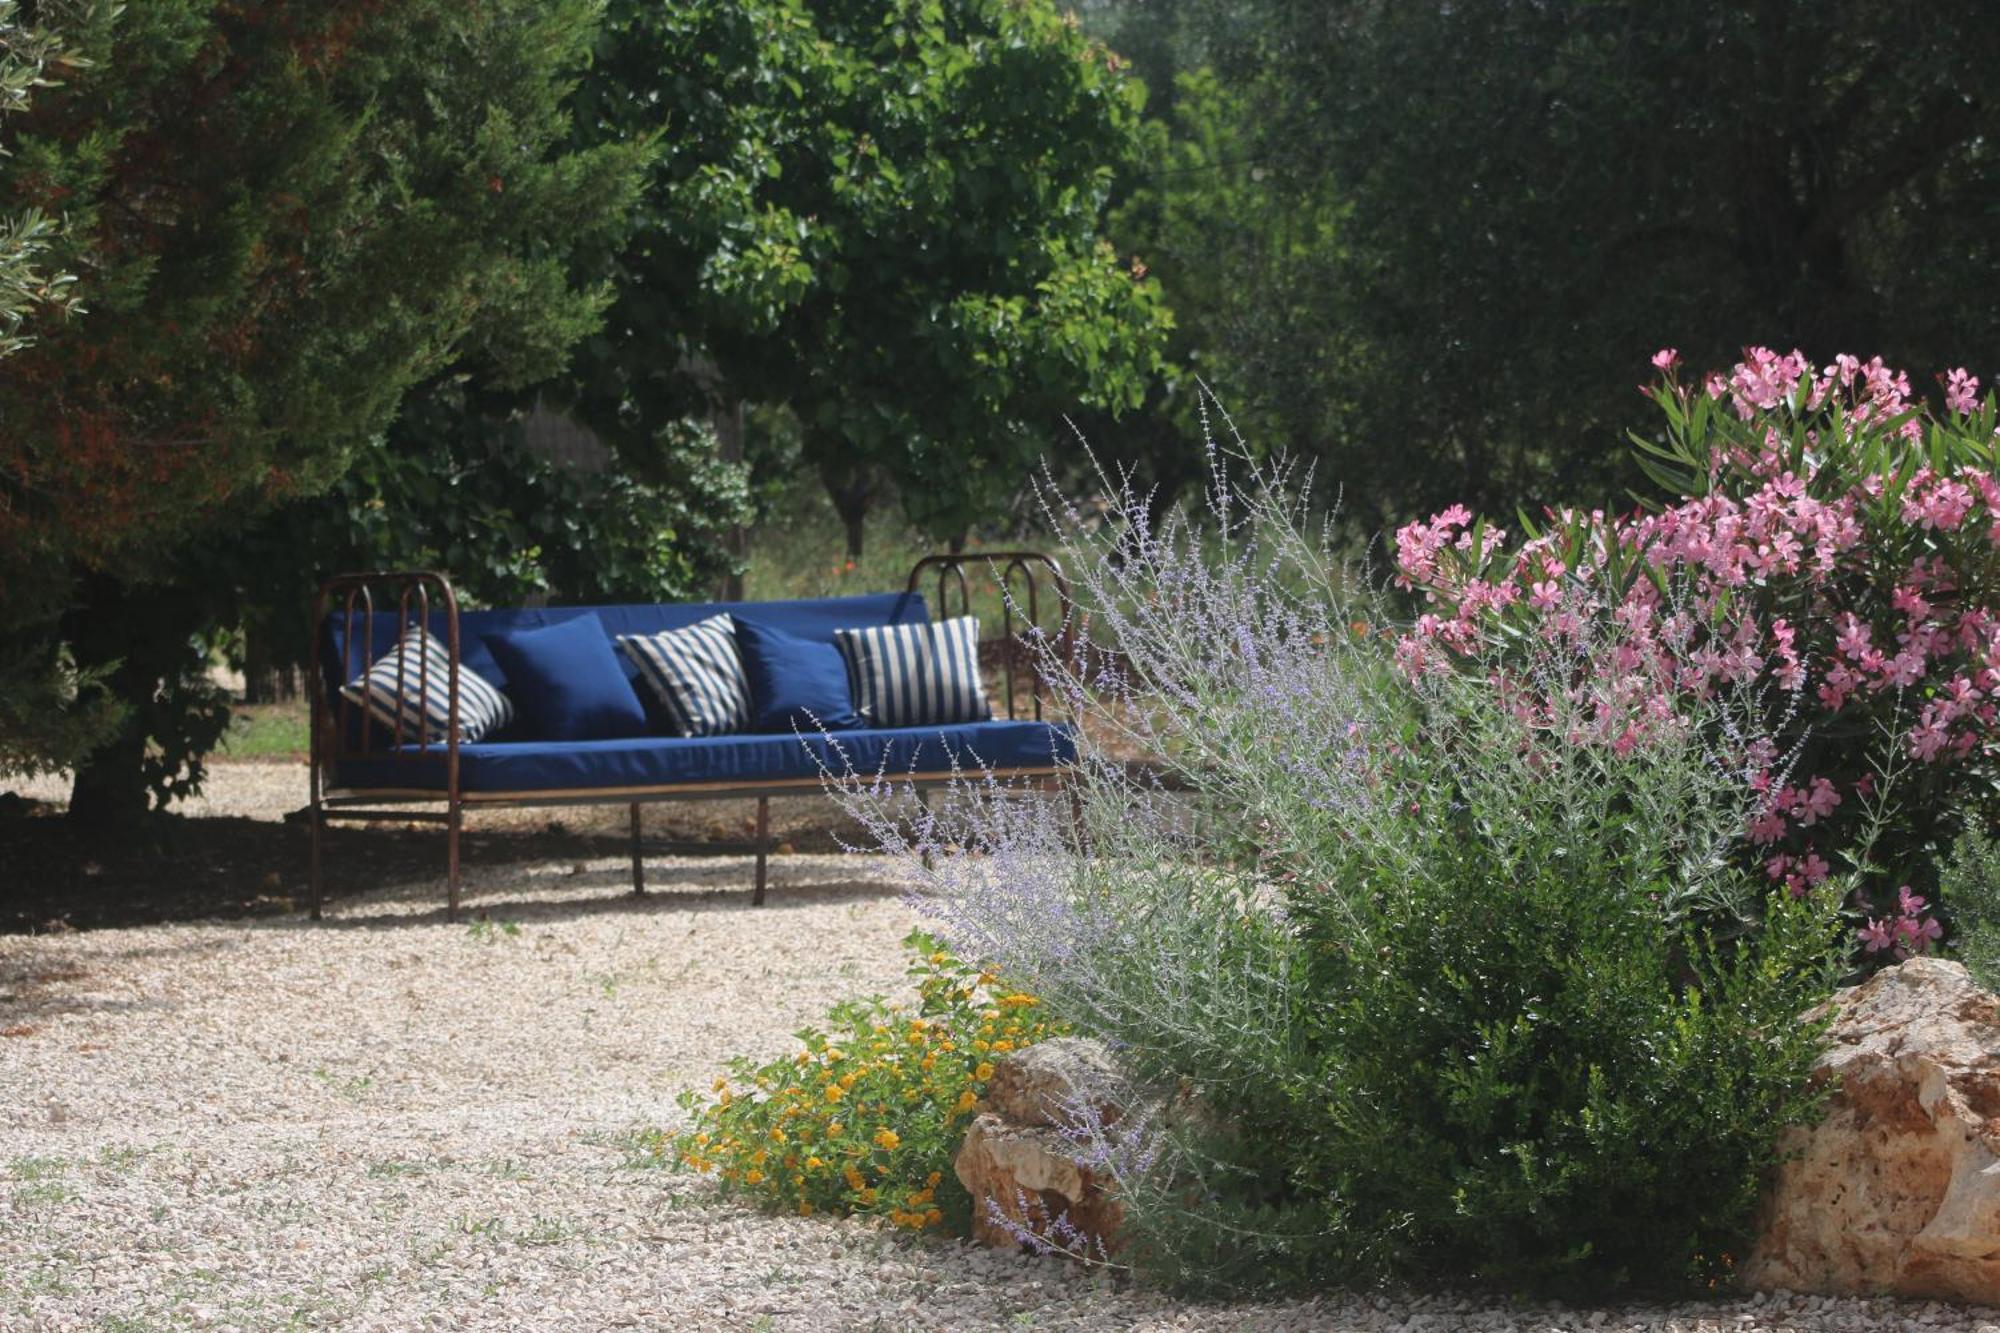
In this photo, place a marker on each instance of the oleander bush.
(1833, 536)
(1459, 968)
(867, 1115)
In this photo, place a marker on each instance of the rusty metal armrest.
(339, 734)
(1031, 568)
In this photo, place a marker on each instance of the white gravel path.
(384, 1122)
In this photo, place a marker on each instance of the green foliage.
(1969, 883)
(289, 215)
(365, 199)
(461, 490)
(1535, 1068)
(1452, 988)
(29, 55)
(1532, 198)
(867, 1116)
(884, 215)
(1239, 251)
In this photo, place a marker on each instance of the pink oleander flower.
(1961, 391)
(1879, 934)
(1837, 556)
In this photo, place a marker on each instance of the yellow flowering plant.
(866, 1116)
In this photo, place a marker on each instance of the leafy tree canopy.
(284, 216)
(1535, 197)
(886, 214)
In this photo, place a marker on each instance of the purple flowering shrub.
(1428, 949)
(1836, 539)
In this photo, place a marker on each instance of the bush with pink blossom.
(1834, 544)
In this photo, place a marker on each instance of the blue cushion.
(810, 618)
(795, 684)
(694, 675)
(408, 694)
(916, 675)
(666, 761)
(566, 682)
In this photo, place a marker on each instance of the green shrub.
(1969, 882)
(868, 1115)
(1468, 990)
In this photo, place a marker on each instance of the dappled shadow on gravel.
(686, 890)
(57, 876)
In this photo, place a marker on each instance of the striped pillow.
(916, 675)
(424, 700)
(697, 675)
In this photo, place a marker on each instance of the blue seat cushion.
(566, 682)
(496, 767)
(795, 684)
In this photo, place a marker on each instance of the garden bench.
(376, 751)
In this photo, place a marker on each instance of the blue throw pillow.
(566, 682)
(794, 682)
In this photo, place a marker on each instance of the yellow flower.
(834, 1092)
(814, 1164)
(979, 1046)
(805, 1209)
(753, 1177)
(777, 1136)
(966, 1101)
(720, 1084)
(934, 1216)
(933, 1178)
(984, 1071)
(833, 1130)
(1003, 1045)
(887, 1139)
(855, 1181)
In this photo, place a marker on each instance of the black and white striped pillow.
(916, 675)
(424, 699)
(697, 675)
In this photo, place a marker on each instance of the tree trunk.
(727, 419)
(108, 790)
(851, 490)
(260, 672)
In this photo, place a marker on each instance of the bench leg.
(763, 847)
(452, 822)
(638, 858)
(312, 873)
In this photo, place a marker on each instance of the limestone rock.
(1897, 1190)
(1015, 1157)
(1030, 1086)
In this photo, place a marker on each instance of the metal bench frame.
(338, 733)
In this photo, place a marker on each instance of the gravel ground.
(384, 1121)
